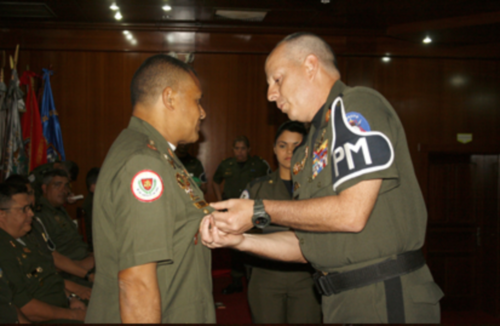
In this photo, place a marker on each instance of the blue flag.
(50, 122)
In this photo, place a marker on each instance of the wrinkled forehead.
(20, 199)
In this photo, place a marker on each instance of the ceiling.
(451, 22)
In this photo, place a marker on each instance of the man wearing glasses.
(39, 289)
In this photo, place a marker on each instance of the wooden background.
(437, 91)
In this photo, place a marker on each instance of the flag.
(13, 155)
(31, 124)
(50, 122)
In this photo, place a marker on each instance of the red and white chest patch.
(147, 186)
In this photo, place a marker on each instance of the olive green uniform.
(31, 271)
(398, 221)
(195, 168)
(63, 231)
(280, 292)
(8, 312)
(236, 178)
(39, 237)
(147, 209)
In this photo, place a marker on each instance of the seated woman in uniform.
(281, 292)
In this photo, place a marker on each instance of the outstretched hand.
(237, 217)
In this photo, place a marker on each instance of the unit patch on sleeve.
(356, 152)
(147, 186)
(357, 120)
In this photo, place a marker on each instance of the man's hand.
(238, 217)
(78, 314)
(74, 303)
(213, 238)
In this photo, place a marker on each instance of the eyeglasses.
(26, 209)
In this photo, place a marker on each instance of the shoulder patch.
(147, 186)
(357, 120)
(355, 152)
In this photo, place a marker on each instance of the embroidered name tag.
(355, 152)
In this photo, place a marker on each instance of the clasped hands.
(225, 226)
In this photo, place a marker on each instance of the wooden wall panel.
(434, 97)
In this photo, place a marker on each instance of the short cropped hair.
(292, 126)
(8, 190)
(49, 175)
(92, 177)
(17, 179)
(302, 44)
(156, 73)
(242, 139)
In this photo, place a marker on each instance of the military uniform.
(236, 178)
(63, 231)
(32, 273)
(8, 312)
(195, 168)
(360, 137)
(147, 209)
(40, 238)
(280, 292)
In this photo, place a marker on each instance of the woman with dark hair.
(281, 292)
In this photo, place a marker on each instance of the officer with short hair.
(358, 212)
(39, 289)
(151, 268)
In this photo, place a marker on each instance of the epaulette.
(259, 180)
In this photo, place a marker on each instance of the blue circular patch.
(355, 119)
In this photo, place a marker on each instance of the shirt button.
(206, 211)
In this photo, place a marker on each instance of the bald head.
(299, 45)
(154, 75)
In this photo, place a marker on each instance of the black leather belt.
(334, 283)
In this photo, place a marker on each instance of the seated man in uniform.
(151, 268)
(39, 290)
(40, 237)
(63, 231)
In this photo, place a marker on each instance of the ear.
(168, 97)
(311, 65)
(44, 188)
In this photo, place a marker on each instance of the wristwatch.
(260, 218)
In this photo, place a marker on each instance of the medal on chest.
(299, 166)
(320, 155)
(183, 182)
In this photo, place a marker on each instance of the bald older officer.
(358, 214)
(147, 209)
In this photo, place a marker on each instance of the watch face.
(261, 221)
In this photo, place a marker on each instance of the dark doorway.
(462, 244)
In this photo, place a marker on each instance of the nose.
(203, 114)
(272, 93)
